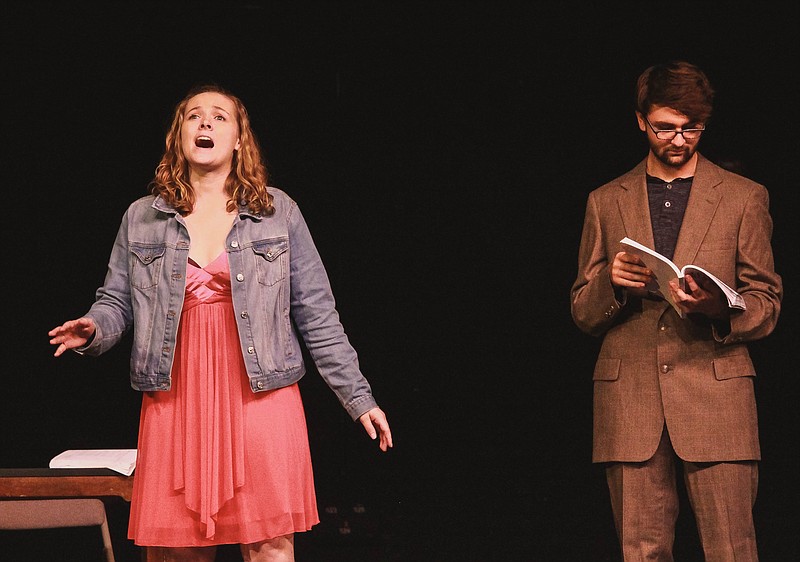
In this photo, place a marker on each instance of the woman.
(217, 275)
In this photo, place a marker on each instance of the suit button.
(665, 368)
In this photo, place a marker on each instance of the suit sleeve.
(594, 304)
(756, 279)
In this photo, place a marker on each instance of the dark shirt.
(667, 206)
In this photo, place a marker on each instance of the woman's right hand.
(72, 334)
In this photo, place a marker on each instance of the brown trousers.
(644, 500)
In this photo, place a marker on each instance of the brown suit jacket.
(654, 367)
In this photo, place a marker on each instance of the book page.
(118, 460)
(663, 269)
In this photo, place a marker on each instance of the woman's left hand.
(375, 418)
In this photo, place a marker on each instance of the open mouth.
(204, 142)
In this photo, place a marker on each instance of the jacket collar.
(703, 201)
(634, 207)
(159, 204)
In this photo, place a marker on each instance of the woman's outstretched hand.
(374, 421)
(74, 333)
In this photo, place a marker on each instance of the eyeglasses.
(669, 134)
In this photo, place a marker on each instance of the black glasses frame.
(669, 134)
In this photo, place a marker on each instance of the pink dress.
(218, 463)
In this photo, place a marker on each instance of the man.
(666, 385)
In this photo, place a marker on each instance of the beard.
(674, 157)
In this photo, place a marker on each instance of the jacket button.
(665, 368)
(662, 327)
(240, 277)
(244, 314)
(251, 350)
(234, 244)
(260, 385)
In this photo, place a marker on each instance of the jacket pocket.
(145, 264)
(606, 370)
(271, 256)
(732, 366)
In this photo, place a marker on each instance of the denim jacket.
(279, 288)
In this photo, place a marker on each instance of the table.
(22, 483)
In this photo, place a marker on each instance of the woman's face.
(210, 132)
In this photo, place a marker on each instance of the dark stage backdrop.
(442, 154)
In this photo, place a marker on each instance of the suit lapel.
(634, 206)
(703, 202)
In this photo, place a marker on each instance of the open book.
(664, 271)
(118, 460)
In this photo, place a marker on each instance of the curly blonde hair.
(245, 185)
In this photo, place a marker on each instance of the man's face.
(673, 152)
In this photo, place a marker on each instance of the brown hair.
(247, 182)
(679, 85)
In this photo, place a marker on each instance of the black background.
(441, 154)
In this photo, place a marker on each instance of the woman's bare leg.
(280, 549)
(188, 554)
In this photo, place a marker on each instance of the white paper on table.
(118, 460)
